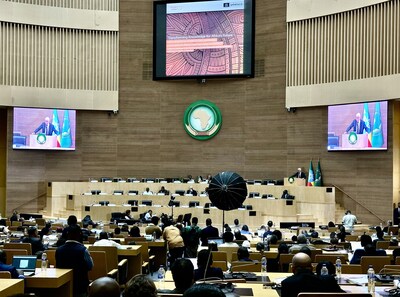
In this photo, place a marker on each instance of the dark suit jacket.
(358, 253)
(193, 192)
(42, 129)
(206, 233)
(396, 215)
(306, 281)
(302, 175)
(353, 126)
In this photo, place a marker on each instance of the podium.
(47, 142)
(296, 181)
(354, 141)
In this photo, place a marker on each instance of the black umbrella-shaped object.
(227, 191)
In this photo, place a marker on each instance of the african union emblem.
(202, 120)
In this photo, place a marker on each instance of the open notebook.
(27, 264)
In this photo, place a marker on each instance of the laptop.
(215, 240)
(27, 264)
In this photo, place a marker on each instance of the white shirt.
(147, 193)
(107, 242)
(147, 216)
(349, 220)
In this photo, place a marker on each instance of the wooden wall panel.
(258, 139)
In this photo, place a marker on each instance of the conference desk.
(310, 204)
(52, 282)
(11, 286)
(258, 289)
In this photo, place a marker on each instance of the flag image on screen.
(367, 121)
(66, 140)
(56, 124)
(377, 134)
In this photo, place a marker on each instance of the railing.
(37, 199)
(357, 203)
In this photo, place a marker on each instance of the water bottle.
(44, 262)
(263, 266)
(161, 277)
(324, 270)
(338, 268)
(371, 279)
(154, 237)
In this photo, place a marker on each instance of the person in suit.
(304, 280)
(74, 255)
(368, 249)
(207, 232)
(191, 191)
(358, 125)
(299, 174)
(182, 274)
(46, 128)
(396, 214)
(205, 269)
(34, 240)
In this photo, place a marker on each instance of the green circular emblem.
(202, 120)
(291, 180)
(352, 138)
(41, 138)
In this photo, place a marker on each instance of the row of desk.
(310, 204)
(52, 282)
(259, 289)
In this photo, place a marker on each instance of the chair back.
(219, 256)
(393, 229)
(314, 253)
(378, 262)
(352, 237)
(351, 269)
(255, 256)
(246, 266)
(397, 261)
(91, 239)
(391, 269)
(331, 258)
(19, 246)
(51, 257)
(111, 254)
(40, 221)
(285, 259)
(99, 265)
(10, 253)
(229, 251)
(5, 274)
(220, 264)
(383, 245)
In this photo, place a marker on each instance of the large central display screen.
(361, 126)
(203, 39)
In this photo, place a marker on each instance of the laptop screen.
(25, 263)
(216, 240)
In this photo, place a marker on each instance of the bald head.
(104, 287)
(302, 261)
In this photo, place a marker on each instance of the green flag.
(66, 139)
(56, 124)
(318, 176)
(310, 181)
(377, 133)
